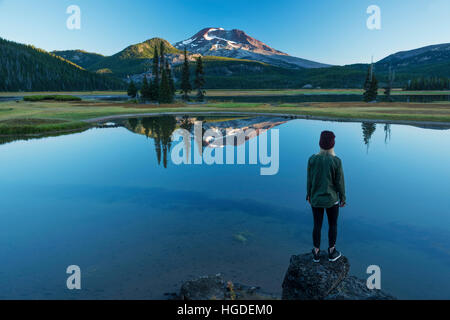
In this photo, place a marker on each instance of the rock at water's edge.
(216, 288)
(204, 288)
(307, 280)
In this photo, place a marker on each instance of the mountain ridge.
(236, 43)
(135, 61)
(437, 53)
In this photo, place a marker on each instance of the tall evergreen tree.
(185, 85)
(132, 89)
(165, 95)
(388, 88)
(162, 52)
(370, 86)
(171, 81)
(145, 90)
(200, 79)
(373, 90)
(154, 86)
(367, 82)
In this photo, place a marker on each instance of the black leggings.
(332, 214)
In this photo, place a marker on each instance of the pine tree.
(370, 86)
(199, 79)
(132, 90)
(373, 90)
(145, 90)
(162, 52)
(367, 85)
(165, 95)
(171, 81)
(185, 81)
(388, 88)
(154, 86)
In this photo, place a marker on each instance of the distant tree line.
(26, 68)
(431, 83)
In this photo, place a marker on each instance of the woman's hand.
(342, 204)
(308, 199)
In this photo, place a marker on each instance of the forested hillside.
(26, 68)
(244, 74)
(134, 59)
(227, 73)
(80, 57)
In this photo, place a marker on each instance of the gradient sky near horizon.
(329, 31)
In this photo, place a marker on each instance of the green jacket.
(325, 182)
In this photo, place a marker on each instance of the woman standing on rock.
(325, 192)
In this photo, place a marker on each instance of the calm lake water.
(111, 201)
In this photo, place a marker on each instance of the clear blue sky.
(330, 31)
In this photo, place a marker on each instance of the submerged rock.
(306, 280)
(204, 288)
(216, 288)
(241, 237)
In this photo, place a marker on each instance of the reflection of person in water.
(325, 192)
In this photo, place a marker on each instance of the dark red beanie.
(327, 140)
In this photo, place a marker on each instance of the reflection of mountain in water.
(160, 129)
(231, 129)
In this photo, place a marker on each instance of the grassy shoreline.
(31, 127)
(30, 118)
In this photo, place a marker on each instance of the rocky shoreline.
(304, 280)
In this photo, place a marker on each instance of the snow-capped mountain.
(237, 44)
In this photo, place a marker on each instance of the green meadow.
(37, 117)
